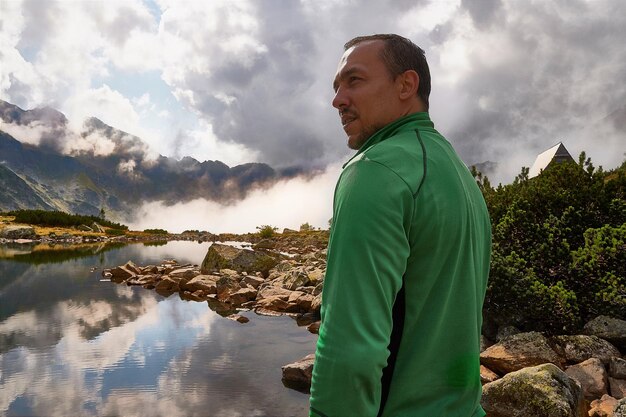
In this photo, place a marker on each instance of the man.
(408, 255)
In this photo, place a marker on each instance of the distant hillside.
(103, 167)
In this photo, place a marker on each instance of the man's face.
(365, 93)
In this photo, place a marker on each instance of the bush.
(266, 231)
(558, 256)
(60, 219)
(115, 232)
(306, 227)
(155, 231)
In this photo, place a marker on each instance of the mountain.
(45, 164)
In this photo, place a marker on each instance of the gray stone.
(18, 232)
(617, 388)
(617, 368)
(592, 377)
(506, 331)
(579, 348)
(223, 256)
(84, 228)
(294, 278)
(608, 328)
(540, 391)
(519, 351)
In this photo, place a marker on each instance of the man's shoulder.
(403, 153)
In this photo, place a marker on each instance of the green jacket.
(408, 261)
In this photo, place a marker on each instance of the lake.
(73, 345)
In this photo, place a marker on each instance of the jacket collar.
(412, 121)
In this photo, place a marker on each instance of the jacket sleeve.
(367, 256)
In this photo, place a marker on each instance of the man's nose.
(341, 99)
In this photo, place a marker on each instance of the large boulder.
(227, 257)
(167, 286)
(592, 377)
(519, 351)
(227, 285)
(608, 328)
(617, 387)
(273, 298)
(579, 348)
(298, 375)
(540, 391)
(18, 232)
(617, 368)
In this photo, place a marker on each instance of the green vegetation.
(115, 232)
(266, 231)
(156, 231)
(306, 227)
(559, 247)
(60, 219)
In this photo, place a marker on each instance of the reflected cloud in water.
(107, 349)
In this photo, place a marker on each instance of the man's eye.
(352, 80)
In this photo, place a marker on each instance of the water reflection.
(72, 345)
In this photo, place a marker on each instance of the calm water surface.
(71, 345)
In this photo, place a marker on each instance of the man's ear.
(408, 83)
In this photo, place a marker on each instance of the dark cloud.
(483, 12)
(552, 72)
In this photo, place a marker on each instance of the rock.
(239, 318)
(223, 309)
(484, 343)
(620, 408)
(206, 283)
(617, 388)
(289, 231)
(143, 280)
(487, 375)
(316, 276)
(506, 331)
(97, 228)
(298, 375)
(255, 282)
(223, 256)
(167, 286)
(120, 274)
(579, 348)
(603, 407)
(519, 351)
(316, 304)
(318, 289)
(608, 328)
(617, 368)
(294, 278)
(265, 244)
(314, 327)
(187, 272)
(130, 266)
(592, 377)
(150, 269)
(18, 232)
(226, 286)
(540, 391)
(299, 302)
(241, 296)
(84, 228)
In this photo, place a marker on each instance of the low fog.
(287, 204)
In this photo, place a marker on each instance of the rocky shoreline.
(523, 373)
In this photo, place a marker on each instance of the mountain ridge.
(107, 168)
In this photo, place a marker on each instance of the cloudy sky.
(242, 81)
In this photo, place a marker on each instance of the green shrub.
(115, 232)
(558, 256)
(266, 231)
(155, 231)
(60, 219)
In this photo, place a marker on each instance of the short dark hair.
(399, 55)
